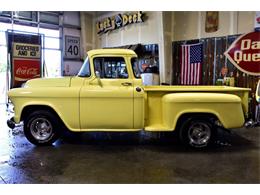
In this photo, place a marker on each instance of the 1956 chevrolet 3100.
(108, 95)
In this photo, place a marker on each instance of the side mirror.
(97, 74)
(98, 77)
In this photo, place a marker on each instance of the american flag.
(191, 62)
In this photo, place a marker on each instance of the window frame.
(87, 59)
(134, 73)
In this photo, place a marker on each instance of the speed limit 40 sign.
(72, 47)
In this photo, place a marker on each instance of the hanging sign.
(244, 53)
(119, 21)
(25, 50)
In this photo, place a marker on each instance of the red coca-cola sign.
(25, 69)
(244, 53)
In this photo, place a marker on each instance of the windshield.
(85, 69)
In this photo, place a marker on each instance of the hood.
(49, 82)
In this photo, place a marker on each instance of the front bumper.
(10, 123)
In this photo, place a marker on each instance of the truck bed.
(155, 95)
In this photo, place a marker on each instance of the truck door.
(107, 102)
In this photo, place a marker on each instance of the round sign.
(244, 53)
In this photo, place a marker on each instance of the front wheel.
(197, 132)
(41, 128)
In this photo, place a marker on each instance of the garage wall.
(87, 31)
(181, 25)
(191, 25)
(168, 37)
(149, 32)
(185, 25)
(71, 27)
(245, 21)
(162, 28)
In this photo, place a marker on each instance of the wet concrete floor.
(128, 158)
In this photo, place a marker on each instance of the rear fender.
(226, 107)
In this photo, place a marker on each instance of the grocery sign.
(244, 53)
(25, 50)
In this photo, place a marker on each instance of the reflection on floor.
(128, 158)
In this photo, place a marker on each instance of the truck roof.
(111, 51)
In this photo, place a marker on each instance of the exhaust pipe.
(11, 123)
(251, 123)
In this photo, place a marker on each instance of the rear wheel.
(197, 132)
(41, 127)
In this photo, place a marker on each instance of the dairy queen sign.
(244, 53)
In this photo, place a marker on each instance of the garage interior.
(140, 157)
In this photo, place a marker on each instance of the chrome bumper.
(10, 123)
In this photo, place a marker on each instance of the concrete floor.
(128, 158)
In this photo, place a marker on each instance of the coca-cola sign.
(28, 72)
(244, 53)
(25, 70)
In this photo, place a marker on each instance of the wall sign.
(244, 53)
(119, 21)
(212, 21)
(257, 21)
(25, 70)
(25, 50)
(72, 47)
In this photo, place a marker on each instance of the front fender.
(67, 115)
(226, 107)
(64, 101)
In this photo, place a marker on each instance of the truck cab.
(111, 95)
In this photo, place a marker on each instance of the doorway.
(51, 52)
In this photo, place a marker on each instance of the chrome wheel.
(41, 129)
(199, 134)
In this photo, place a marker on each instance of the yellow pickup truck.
(108, 95)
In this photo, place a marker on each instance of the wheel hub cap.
(199, 134)
(41, 129)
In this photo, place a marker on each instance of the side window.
(111, 67)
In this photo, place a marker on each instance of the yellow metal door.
(107, 105)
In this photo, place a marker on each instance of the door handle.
(138, 89)
(126, 84)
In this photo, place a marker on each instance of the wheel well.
(29, 109)
(211, 117)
